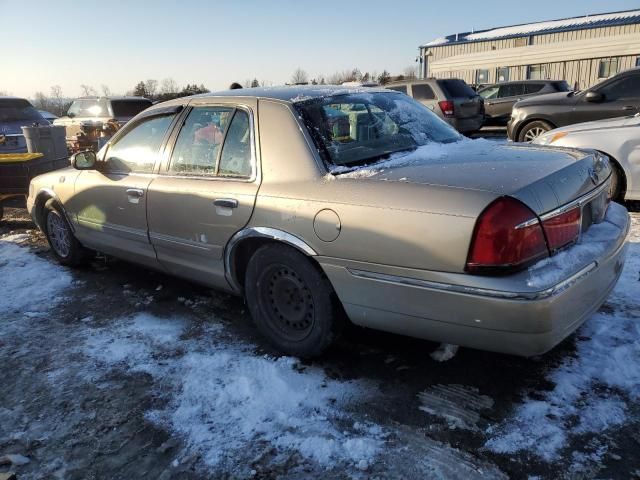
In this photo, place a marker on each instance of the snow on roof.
(551, 26)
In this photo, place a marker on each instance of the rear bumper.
(507, 321)
(465, 125)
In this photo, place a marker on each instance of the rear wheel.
(616, 188)
(64, 245)
(291, 301)
(533, 130)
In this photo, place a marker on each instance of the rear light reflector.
(447, 107)
(507, 237)
(563, 229)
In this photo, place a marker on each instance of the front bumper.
(510, 320)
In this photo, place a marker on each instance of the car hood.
(542, 177)
(545, 99)
(628, 121)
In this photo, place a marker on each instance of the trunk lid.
(467, 103)
(544, 178)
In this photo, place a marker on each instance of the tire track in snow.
(460, 405)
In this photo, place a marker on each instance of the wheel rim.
(58, 234)
(533, 133)
(287, 302)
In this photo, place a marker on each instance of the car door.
(508, 95)
(109, 203)
(620, 97)
(206, 191)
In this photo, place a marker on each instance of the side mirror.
(594, 97)
(84, 160)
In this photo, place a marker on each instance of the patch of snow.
(225, 399)
(444, 352)
(592, 245)
(29, 283)
(15, 238)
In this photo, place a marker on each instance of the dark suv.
(500, 97)
(451, 99)
(617, 96)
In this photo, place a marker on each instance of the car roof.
(10, 97)
(115, 97)
(290, 94)
(510, 82)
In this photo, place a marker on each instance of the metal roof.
(625, 17)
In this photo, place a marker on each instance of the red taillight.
(447, 107)
(507, 236)
(563, 229)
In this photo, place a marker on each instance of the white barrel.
(49, 140)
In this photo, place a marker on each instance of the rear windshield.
(362, 128)
(89, 107)
(17, 109)
(129, 108)
(456, 88)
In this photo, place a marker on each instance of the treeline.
(167, 89)
(301, 77)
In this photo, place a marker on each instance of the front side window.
(628, 87)
(607, 67)
(530, 88)
(198, 144)
(138, 150)
(358, 129)
(511, 90)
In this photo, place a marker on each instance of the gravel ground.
(113, 371)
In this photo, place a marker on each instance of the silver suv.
(451, 99)
(103, 109)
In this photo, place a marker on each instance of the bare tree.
(58, 102)
(409, 72)
(151, 86)
(88, 90)
(255, 83)
(40, 101)
(299, 76)
(266, 83)
(3, 93)
(106, 91)
(168, 85)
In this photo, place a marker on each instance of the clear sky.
(119, 43)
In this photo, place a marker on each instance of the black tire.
(292, 303)
(1, 210)
(58, 232)
(616, 189)
(533, 130)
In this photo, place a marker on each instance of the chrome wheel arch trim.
(259, 232)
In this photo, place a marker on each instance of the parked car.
(499, 98)
(48, 116)
(451, 99)
(316, 202)
(615, 97)
(16, 113)
(618, 138)
(100, 110)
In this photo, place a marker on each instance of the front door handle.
(628, 107)
(226, 202)
(135, 192)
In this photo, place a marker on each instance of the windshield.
(456, 88)
(128, 108)
(89, 107)
(17, 109)
(362, 128)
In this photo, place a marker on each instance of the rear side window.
(533, 87)
(511, 90)
(128, 108)
(422, 92)
(456, 88)
(235, 160)
(399, 88)
(562, 86)
(137, 151)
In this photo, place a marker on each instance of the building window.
(535, 72)
(503, 74)
(482, 76)
(608, 67)
(637, 61)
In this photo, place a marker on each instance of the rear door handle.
(226, 202)
(628, 107)
(135, 192)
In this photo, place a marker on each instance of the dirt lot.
(113, 371)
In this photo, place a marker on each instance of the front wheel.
(533, 130)
(64, 245)
(292, 303)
